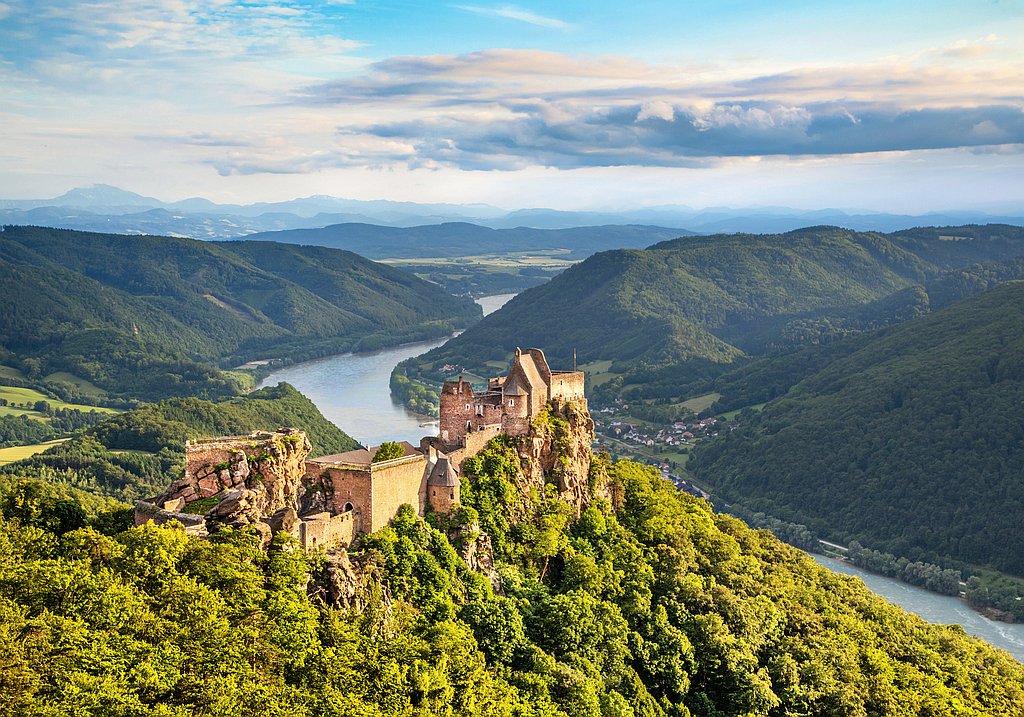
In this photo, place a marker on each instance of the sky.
(885, 106)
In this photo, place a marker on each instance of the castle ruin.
(267, 480)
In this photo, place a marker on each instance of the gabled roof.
(531, 372)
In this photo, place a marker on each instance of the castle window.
(511, 402)
(469, 426)
(347, 508)
(467, 406)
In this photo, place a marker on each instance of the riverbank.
(353, 390)
(934, 608)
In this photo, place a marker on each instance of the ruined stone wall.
(403, 480)
(515, 426)
(147, 510)
(477, 440)
(486, 414)
(325, 530)
(567, 385)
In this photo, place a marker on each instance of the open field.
(508, 260)
(697, 404)
(19, 411)
(598, 372)
(18, 395)
(10, 372)
(17, 453)
(86, 388)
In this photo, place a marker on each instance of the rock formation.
(557, 449)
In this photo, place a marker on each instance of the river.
(936, 608)
(353, 390)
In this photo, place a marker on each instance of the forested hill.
(146, 316)
(699, 303)
(648, 605)
(458, 239)
(136, 454)
(910, 441)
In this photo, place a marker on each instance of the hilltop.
(637, 600)
(151, 317)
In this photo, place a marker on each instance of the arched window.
(469, 426)
(468, 406)
(511, 402)
(348, 508)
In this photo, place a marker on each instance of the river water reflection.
(936, 608)
(352, 390)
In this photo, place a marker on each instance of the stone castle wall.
(515, 426)
(456, 409)
(335, 489)
(402, 480)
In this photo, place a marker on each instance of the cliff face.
(557, 449)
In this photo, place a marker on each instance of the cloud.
(506, 109)
(625, 136)
(110, 47)
(510, 12)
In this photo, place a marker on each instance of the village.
(665, 446)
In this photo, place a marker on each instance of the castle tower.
(456, 412)
(443, 486)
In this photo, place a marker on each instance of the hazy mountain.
(106, 208)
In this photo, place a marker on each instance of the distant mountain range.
(110, 209)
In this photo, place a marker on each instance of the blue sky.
(897, 106)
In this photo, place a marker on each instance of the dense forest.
(647, 604)
(152, 317)
(688, 309)
(137, 453)
(909, 440)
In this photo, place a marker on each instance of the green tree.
(388, 450)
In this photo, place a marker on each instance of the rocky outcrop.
(256, 480)
(557, 450)
(350, 582)
(474, 547)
